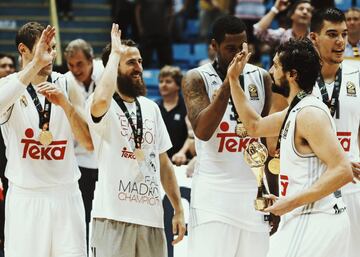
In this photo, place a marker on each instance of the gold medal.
(274, 166)
(139, 154)
(45, 137)
(240, 130)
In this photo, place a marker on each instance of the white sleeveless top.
(224, 184)
(298, 172)
(347, 125)
(30, 164)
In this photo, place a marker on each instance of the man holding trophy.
(313, 165)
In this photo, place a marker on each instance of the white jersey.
(84, 157)
(348, 124)
(120, 194)
(30, 164)
(298, 172)
(222, 178)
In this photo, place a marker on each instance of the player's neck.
(328, 71)
(126, 98)
(294, 90)
(170, 101)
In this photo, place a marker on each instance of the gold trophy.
(255, 156)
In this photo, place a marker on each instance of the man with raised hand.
(313, 166)
(44, 210)
(130, 141)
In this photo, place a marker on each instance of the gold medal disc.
(240, 130)
(274, 166)
(45, 137)
(139, 154)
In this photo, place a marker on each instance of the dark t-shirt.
(154, 16)
(175, 124)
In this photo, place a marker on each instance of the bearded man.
(131, 141)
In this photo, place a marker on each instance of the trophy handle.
(263, 187)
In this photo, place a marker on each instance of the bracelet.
(274, 10)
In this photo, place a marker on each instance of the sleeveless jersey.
(298, 171)
(347, 125)
(30, 164)
(222, 175)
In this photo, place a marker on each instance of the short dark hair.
(3, 55)
(227, 24)
(28, 34)
(107, 49)
(300, 55)
(329, 14)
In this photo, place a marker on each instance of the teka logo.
(345, 140)
(35, 150)
(127, 154)
(232, 142)
(284, 182)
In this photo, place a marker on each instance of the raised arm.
(265, 22)
(12, 89)
(204, 115)
(105, 90)
(256, 126)
(170, 185)
(314, 127)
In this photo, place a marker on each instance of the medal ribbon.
(44, 113)
(333, 103)
(301, 95)
(138, 131)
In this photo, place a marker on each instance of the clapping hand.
(42, 56)
(238, 63)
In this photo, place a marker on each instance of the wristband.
(274, 10)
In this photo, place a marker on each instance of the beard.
(131, 87)
(282, 89)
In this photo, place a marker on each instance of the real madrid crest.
(253, 92)
(350, 89)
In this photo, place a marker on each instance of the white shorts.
(352, 202)
(314, 235)
(46, 222)
(215, 238)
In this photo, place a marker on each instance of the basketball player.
(44, 210)
(313, 164)
(223, 221)
(131, 141)
(338, 87)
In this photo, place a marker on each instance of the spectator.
(249, 12)
(300, 15)
(65, 10)
(7, 66)
(173, 111)
(85, 71)
(353, 24)
(210, 10)
(153, 19)
(123, 13)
